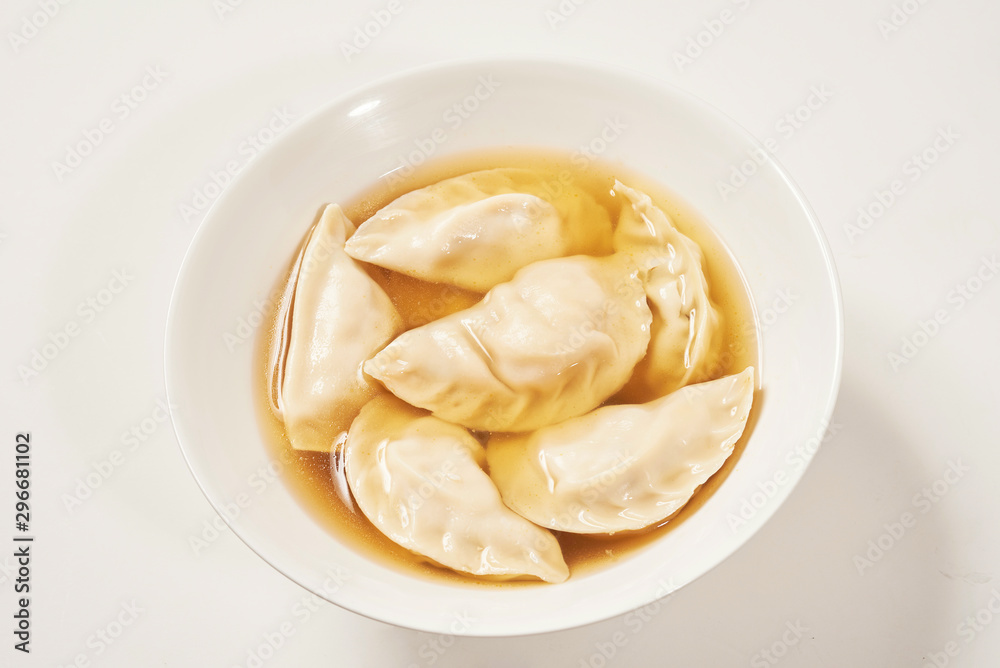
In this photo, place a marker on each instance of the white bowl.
(343, 148)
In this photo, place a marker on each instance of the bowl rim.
(552, 63)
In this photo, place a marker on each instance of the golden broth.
(317, 479)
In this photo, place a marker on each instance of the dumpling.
(476, 230)
(420, 481)
(551, 344)
(624, 467)
(339, 317)
(684, 318)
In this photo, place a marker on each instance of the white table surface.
(798, 590)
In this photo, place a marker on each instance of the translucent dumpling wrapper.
(337, 318)
(684, 318)
(476, 230)
(553, 343)
(622, 467)
(420, 480)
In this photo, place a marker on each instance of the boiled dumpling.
(338, 318)
(622, 467)
(684, 318)
(476, 230)
(553, 343)
(420, 481)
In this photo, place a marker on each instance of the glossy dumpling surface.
(684, 318)
(339, 318)
(476, 230)
(420, 481)
(551, 344)
(622, 467)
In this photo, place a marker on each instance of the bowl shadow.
(800, 577)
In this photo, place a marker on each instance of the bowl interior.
(670, 137)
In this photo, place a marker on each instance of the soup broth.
(318, 480)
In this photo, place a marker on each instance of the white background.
(900, 425)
